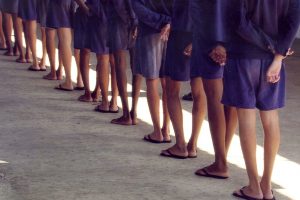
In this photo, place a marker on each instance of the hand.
(86, 10)
(219, 55)
(273, 73)
(188, 50)
(290, 52)
(164, 33)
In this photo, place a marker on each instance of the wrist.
(278, 57)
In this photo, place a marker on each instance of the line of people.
(231, 51)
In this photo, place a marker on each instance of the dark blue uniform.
(120, 20)
(178, 64)
(150, 49)
(9, 6)
(97, 30)
(209, 30)
(60, 14)
(268, 22)
(28, 9)
(80, 28)
(42, 6)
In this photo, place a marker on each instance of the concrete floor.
(54, 147)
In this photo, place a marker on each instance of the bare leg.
(59, 71)
(18, 27)
(79, 83)
(103, 81)
(7, 33)
(114, 88)
(50, 44)
(2, 37)
(120, 59)
(231, 125)
(31, 35)
(198, 112)
(270, 121)
(216, 117)
(65, 51)
(27, 46)
(136, 88)
(42, 63)
(175, 109)
(153, 99)
(85, 71)
(247, 121)
(166, 116)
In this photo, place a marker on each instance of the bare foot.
(42, 66)
(166, 133)
(126, 121)
(267, 190)
(154, 136)
(134, 118)
(96, 95)
(50, 76)
(34, 68)
(247, 193)
(85, 98)
(102, 108)
(213, 171)
(192, 151)
(176, 150)
(59, 75)
(21, 60)
(65, 87)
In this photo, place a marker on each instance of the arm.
(290, 26)
(148, 17)
(250, 32)
(83, 6)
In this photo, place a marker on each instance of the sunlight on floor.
(286, 172)
(3, 162)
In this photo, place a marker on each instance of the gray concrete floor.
(54, 147)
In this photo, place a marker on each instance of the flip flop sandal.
(59, 87)
(97, 109)
(244, 196)
(114, 111)
(149, 139)
(19, 60)
(79, 88)
(207, 174)
(33, 69)
(169, 154)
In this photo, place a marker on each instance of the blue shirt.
(181, 16)
(208, 19)
(152, 15)
(258, 24)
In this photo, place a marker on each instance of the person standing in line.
(9, 12)
(28, 13)
(59, 18)
(178, 70)
(120, 23)
(207, 66)
(254, 78)
(153, 32)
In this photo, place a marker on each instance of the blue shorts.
(96, 36)
(178, 64)
(42, 12)
(9, 6)
(60, 14)
(202, 65)
(245, 85)
(28, 10)
(80, 29)
(150, 55)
